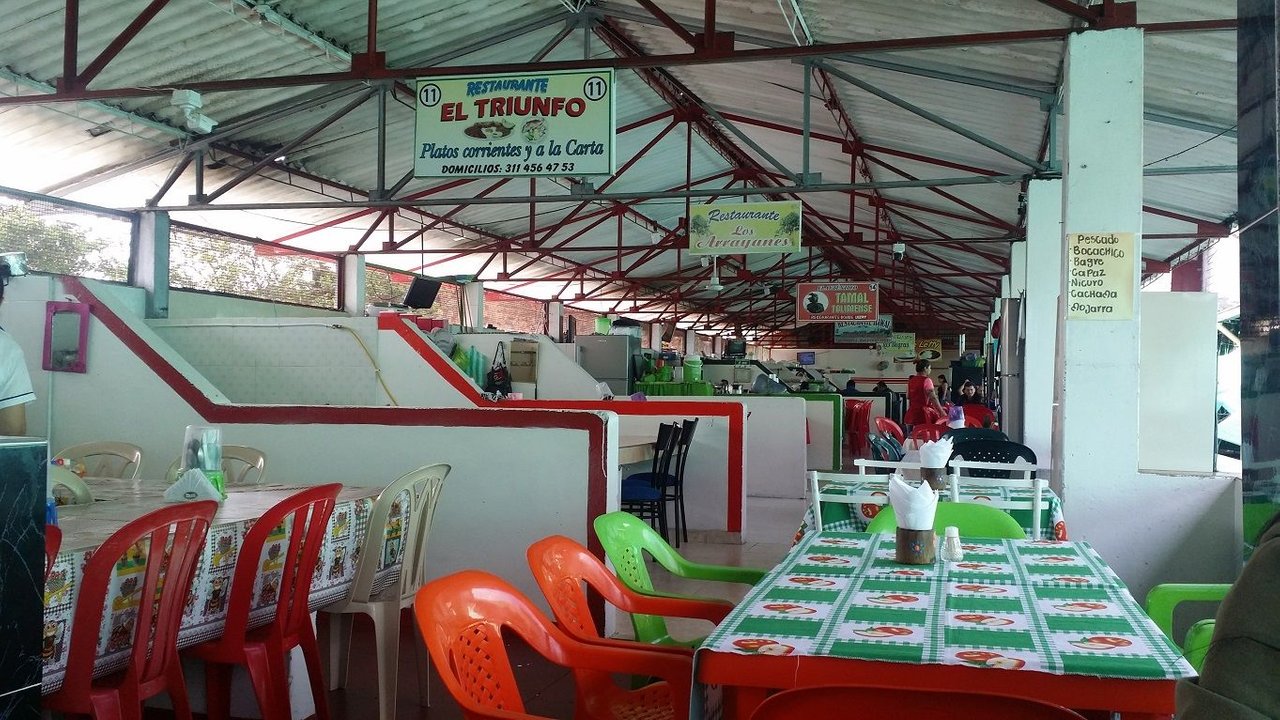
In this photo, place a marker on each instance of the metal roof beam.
(1090, 15)
(95, 66)
(935, 118)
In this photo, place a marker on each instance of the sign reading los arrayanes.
(523, 124)
(742, 228)
(1100, 276)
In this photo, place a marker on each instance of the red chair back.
(305, 516)
(52, 542)
(978, 416)
(885, 426)
(163, 546)
(900, 702)
(924, 433)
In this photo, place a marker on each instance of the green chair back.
(1163, 598)
(973, 519)
(626, 538)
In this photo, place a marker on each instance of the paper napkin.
(913, 506)
(935, 454)
(193, 485)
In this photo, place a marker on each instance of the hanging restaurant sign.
(837, 301)
(869, 331)
(901, 347)
(1100, 276)
(928, 348)
(521, 124)
(743, 228)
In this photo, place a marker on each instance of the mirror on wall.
(66, 336)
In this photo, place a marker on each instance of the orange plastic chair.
(263, 650)
(52, 543)
(462, 618)
(923, 433)
(175, 531)
(885, 426)
(561, 566)
(914, 703)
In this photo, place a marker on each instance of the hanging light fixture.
(714, 283)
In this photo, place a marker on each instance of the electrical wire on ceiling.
(1193, 147)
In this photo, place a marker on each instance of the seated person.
(1240, 679)
(850, 388)
(880, 387)
(969, 394)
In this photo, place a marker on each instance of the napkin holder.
(915, 547)
(936, 477)
(192, 486)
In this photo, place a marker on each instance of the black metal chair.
(674, 492)
(644, 494)
(959, 435)
(992, 451)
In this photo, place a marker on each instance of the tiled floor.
(548, 689)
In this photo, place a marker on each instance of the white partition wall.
(1177, 394)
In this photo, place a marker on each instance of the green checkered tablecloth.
(1044, 605)
(866, 497)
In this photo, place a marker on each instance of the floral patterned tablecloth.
(866, 497)
(1051, 606)
(84, 527)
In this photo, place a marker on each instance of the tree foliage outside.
(63, 247)
(203, 261)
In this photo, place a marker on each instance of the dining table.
(1042, 619)
(635, 449)
(116, 502)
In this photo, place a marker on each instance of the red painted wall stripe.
(594, 426)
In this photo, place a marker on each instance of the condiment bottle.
(951, 550)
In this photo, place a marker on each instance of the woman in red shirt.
(922, 403)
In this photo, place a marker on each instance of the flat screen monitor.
(735, 349)
(807, 358)
(422, 293)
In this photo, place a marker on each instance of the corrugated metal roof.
(99, 152)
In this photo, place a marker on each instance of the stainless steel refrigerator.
(612, 359)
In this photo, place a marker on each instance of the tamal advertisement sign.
(870, 331)
(1100, 276)
(522, 124)
(837, 301)
(744, 228)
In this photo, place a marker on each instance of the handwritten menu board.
(1100, 276)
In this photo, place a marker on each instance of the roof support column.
(473, 305)
(1258, 66)
(1095, 433)
(352, 288)
(149, 261)
(1043, 266)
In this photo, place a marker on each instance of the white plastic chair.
(818, 479)
(106, 459)
(62, 477)
(241, 465)
(1021, 475)
(424, 486)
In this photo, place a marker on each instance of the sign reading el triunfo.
(1100, 276)
(521, 124)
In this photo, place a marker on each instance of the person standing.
(944, 390)
(15, 381)
(922, 404)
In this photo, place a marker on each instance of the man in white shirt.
(15, 381)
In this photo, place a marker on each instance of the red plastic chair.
(978, 416)
(171, 539)
(885, 426)
(462, 618)
(52, 542)
(923, 433)
(564, 568)
(263, 649)
(913, 703)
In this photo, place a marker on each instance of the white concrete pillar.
(149, 261)
(353, 284)
(1095, 435)
(1017, 269)
(473, 305)
(655, 336)
(1043, 257)
(555, 318)
(691, 342)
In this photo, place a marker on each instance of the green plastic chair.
(973, 519)
(626, 538)
(1164, 598)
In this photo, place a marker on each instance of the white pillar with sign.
(1095, 456)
